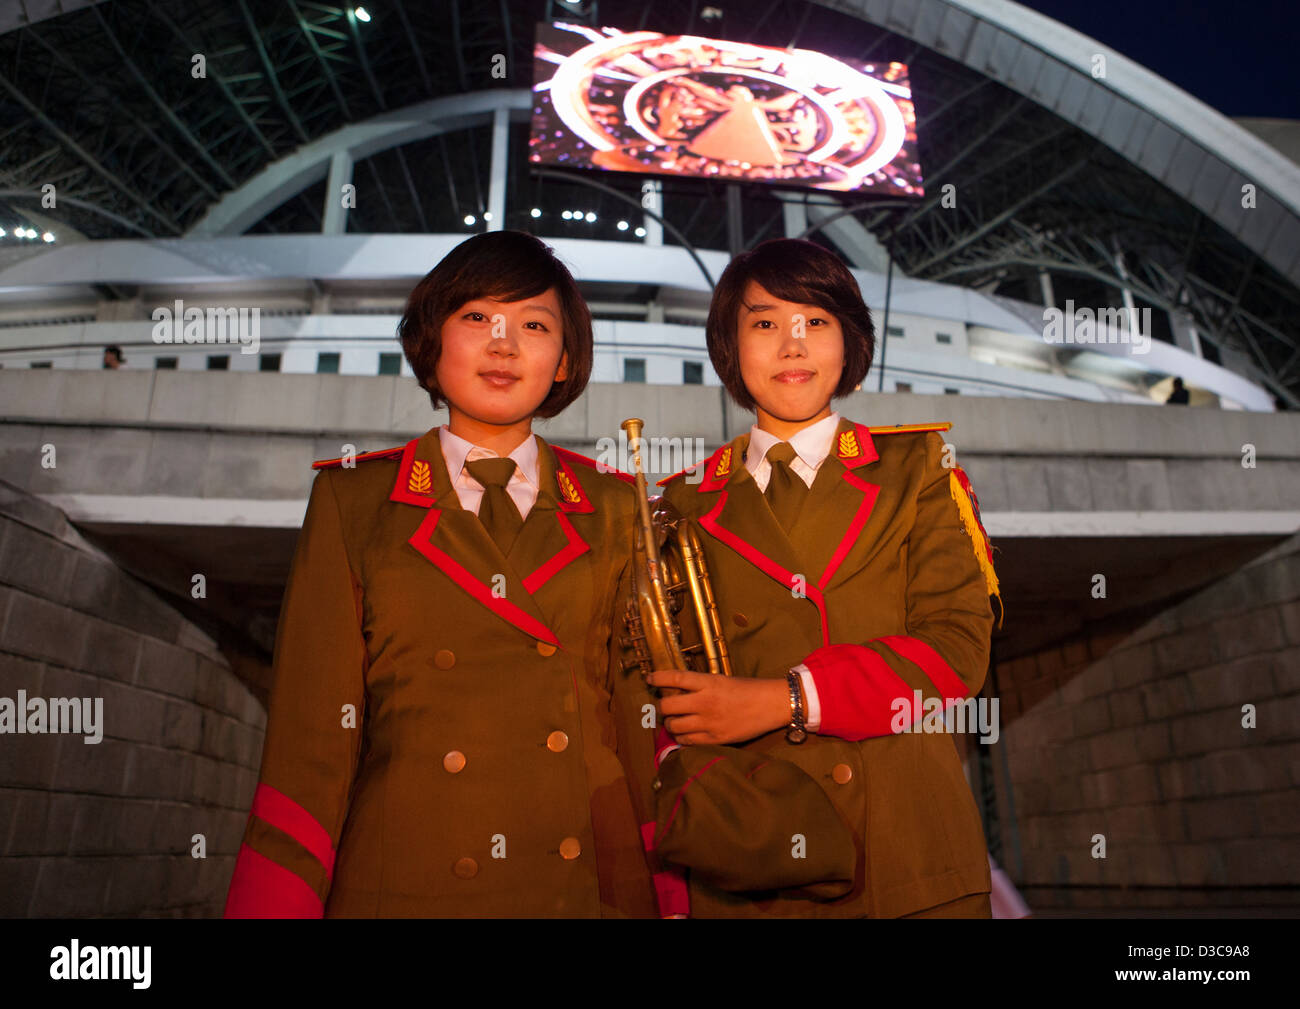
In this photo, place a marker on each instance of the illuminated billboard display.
(651, 103)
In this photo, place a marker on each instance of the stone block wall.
(105, 829)
(1135, 731)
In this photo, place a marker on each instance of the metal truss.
(101, 103)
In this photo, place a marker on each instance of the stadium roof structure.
(1069, 161)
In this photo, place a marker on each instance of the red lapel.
(849, 493)
(747, 523)
(744, 528)
(422, 480)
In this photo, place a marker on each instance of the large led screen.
(651, 103)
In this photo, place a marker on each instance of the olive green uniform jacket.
(440, 740)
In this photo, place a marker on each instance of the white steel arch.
(281, 180)
(1192, 149)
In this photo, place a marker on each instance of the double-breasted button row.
(445, 658)
(467, 868)
(453, 761)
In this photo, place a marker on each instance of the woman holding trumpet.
(851, 577)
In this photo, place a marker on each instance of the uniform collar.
(812, 444)
(851, 444)
(456, 450)
(453, 539)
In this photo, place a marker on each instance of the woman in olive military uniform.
(439, 740)
(852, 577)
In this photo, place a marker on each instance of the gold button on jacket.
(390, 613)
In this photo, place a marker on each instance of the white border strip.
(1101, 524)
(288, 514)
(164, 510)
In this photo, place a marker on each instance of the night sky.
(1242, 58)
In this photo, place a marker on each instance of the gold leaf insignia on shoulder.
(849, 445)
(569, 491)
(724, 463)
(421, 480)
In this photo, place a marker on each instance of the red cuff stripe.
(672, 893)
(261, 888)
(948, 683)
(281, 812)
(857, 689)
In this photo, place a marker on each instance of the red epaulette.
(383, 453)
(668, 479)
(572, 457)
(939, 425)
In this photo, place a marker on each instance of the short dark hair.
(507, 266)
(793, 270)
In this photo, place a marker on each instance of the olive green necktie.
(786, 491)
(497, 511)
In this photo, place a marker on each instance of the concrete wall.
(105, 829)
(1135, 732)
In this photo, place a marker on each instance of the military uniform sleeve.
(313, 736)
(867, 690)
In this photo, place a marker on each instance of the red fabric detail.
(576, 548)
(868, 451)
(583, 504)
(964, 480)
(682, 791)
(757, 768)
(664, 744)
(282, 812)
(672, 893)
(384, 453)
(711, 482)
(761, 561)
(503, 608)
(858, 690)
(401, 492)
(869, 494)
(948, 683)
(599, 467)
(261, 888)
(669, 479)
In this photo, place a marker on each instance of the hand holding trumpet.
(701, 708)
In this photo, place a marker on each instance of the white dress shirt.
(524, 483)
(811, 446)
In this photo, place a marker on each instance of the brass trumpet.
(661, 582)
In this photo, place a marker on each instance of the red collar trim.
(414, 483)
